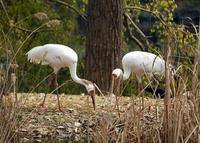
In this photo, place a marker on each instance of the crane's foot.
(40, 108)
(41, 105)
(59, 109)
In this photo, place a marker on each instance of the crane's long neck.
(126, 74)
(88, 85)
(74, 75)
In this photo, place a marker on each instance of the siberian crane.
(59, 56)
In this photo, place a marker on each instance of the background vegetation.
(150, 25)
(25, 25)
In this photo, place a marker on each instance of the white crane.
(58, 56)
(139, 63)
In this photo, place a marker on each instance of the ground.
(77, 120)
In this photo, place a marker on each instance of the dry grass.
(134, 124)
(128, 122)
(106, 108)
(173, 120)
(8, 122)
(8, 112)
(148, 125)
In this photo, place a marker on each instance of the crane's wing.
(54, 54)
(37, 55)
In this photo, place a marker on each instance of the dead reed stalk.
(172, 120)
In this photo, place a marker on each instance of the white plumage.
(58, 56)
(139, 63)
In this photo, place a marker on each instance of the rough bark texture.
(103, 40)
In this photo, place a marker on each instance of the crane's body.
(55, 55)
(59, 56)
(140, 63)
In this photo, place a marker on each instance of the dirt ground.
(74, 124)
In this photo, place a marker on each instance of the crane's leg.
(42, 104)
(50, 77)
(56, 86)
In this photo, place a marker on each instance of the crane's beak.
(113, 83)
(92, 95)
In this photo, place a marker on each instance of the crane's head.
(91, 90)
(116, 75)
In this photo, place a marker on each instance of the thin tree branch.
(27, 30)
(5, 9)
(33, 32)
(133, 23)
(138, 29)
(71, 7)
(132, 36)
(156, 14)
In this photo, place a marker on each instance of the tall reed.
(172, 120)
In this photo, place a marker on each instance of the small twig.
(156, 14)
(98, 89)
(137, 28)
(117, 102)
(5, 9)
(71, 7)
(40, 83)
(131, 34)
(27, 30)
(188, 137)
(16, 52)
(60, 86)
(21, 125)
(167, 89)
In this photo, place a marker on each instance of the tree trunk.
(104, 39)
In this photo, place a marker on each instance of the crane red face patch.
(114, 76)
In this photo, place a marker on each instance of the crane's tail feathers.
(36, 55)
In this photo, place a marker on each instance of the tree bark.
(104, 40)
